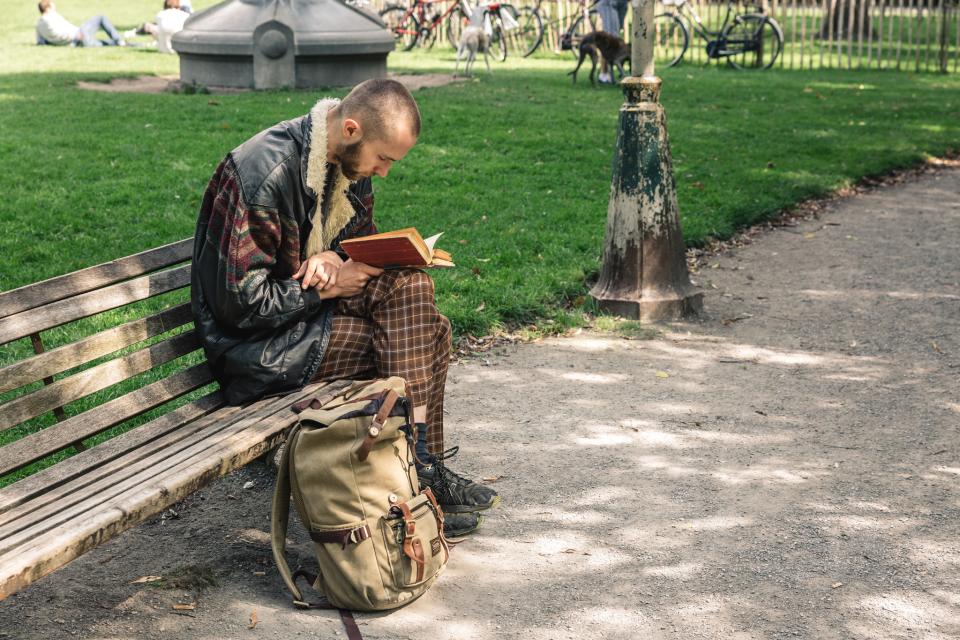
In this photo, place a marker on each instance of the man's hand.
(351, 280)
(319, 271)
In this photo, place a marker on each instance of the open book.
(401, 248)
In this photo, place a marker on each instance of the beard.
(348, 157)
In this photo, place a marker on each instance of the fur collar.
(329, 220)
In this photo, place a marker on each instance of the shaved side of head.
(383, 108)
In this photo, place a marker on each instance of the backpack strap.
(280, 517)
(387, 400)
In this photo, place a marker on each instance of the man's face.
(362, 159)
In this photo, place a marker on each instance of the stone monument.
(270, 44)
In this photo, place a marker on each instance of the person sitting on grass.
(54, 29)
(276, 301)
(166, 23)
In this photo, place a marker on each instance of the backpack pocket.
(415, 544)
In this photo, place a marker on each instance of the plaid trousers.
(393, 328)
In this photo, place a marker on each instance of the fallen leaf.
(145, 579)
(808, 236)
(698, 185)
(259, 574)
(662, 374)
(253, 620)
(490, 478)
(936, 347)
(483, 259)
(569, 550)
(185, 607)
(483, 305)
(836, 584)
(213, 103)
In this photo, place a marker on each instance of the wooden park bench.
(54, 515)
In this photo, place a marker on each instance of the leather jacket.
(262, 334)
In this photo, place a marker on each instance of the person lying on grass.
(276, 301)
(54, 29)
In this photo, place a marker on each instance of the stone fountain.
(270, 44)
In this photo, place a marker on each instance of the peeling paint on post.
(644, 274)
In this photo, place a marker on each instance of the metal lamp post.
(644, 274)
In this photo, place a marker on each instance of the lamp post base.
(644, 273)
(653, 309)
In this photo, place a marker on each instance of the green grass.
(514, 167)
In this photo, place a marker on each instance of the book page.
(432, 240)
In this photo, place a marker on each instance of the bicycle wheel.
(752, 41)
(401, 23)
(456, 23)
(578, 29)
(498, 40)
(526, 36)
(671, 39)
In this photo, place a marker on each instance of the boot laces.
(443, 475)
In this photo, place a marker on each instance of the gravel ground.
(784, 467)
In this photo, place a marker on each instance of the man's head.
(171, 4)
(373, 127)
(45, 5)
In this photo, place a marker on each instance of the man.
(277, 303)
(52, 28)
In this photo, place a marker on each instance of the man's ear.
(352, 131)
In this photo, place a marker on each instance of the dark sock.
(423, 454)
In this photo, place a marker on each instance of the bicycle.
(586, 22)
(419, 22)
(748, 41)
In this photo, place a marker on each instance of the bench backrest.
(61, 384)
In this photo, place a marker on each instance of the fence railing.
(907, 35)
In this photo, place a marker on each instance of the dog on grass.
(613, 49)
(473, 40)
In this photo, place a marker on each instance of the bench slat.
(24, 323)
(42, 293)
(112, 480)
(94, 379)
(82, 498)
(32, 555)
(59, 436)
(90, 465)
(74, 354)
(107, 479)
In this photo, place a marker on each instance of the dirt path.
(787, 467)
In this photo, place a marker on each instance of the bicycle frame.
(419, 9)
(685, 9)
(583, 11)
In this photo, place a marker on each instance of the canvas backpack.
(348, 465)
